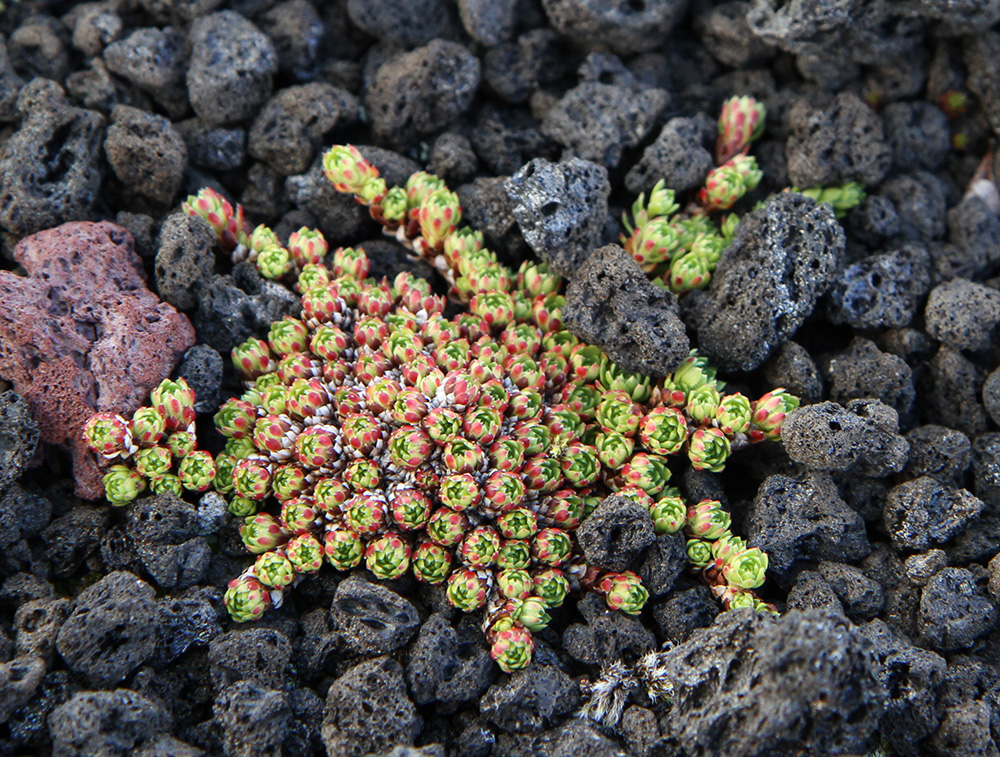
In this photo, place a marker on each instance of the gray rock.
(863, 437)
(783, 257)
(861, 597)
(447, 666)
(918, 134)
(39, 48)
(94, 27)
(561, 209)
(874, 221)
(293, 125)
(597, 122)
(863, 371)
(665, 561)
(164, 530)
(962, 314)
(259, 655)
(678, 157)
(298, 33)
(409, 25)
(793, 368)
(616, 533)
(612, 304)
(954, 611)
(202, 369)
(187, 619)
(10, 86)
(487, 208)
(982, 61)
(921, 568)
(531, 699)
(100, 642)
(154, 61)
(215, 148)
(51, 167)
(37, 623)
(254, 719)
(974, 229)
(368, 710)
(952, 395)
(231, 68)
(845, 142)
(371, 618)
(18, 437)
(911, 676)
(922, 513)
(607, 635)
(19, 680)
(453, 159)
(489, 22)
(881, 291)
(725, 33)
(145, 153)
(938, 451)
(515, 70)
(965, 730)
(105, 722)
(624, 28)
(185, 259)
(770, 671)
(921, 201)
(338, 216)
(416, 93)
(72, 538)
(803, 519)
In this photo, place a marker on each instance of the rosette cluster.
(156, 448)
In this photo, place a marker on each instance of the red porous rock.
(81, 333)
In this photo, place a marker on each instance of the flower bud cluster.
(261, 246)
(843, 198)
(156, 448)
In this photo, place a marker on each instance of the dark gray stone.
(254, 719)
(616, 533)
(202, 369)
(863, 437)
(231, 68)
(51, 167)
(921, 201)
(962, 314)
(923, 513)
(531, 699)
(36, 623)
(215, 148)
(561, 209)
(803, 519)
(607, 635)
(505, 138)
(793, 368)
(982, 60)
(863, 371)
(841, 143)
(782, 666)
(487, 208)
(813, 592)
(445, 667)
(874, 221)
(146, 154)
(954, 611)
(19, 680)
(298, 34)
(416, 93)
(684, 611)
(911, 677)
(259, 655)
(18, 437)
(881, 291)
(515, 70)
(782, 259)
(665, 561)
(185, 259)
(452, 158)
(341, 219)
(94, 27)
(371, 618)
(678, 157)
(368, 710)
(974, 228)
(612, 304)
(725, 33)
(113, 723)
(187, 619)
(154, 61)
(918, 134)
(598, 122)
(625, 28)
(100, 640)
(938, 451)
(295, 123)
(10, 86)
(965, 730)
(489, 22)
(410, 24)
(39, 48)
(165, 532)
(952, 394)
(72, 538)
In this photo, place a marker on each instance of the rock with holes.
(561, 208)
(616, 533)
(922, 513)
(783, 257)
(18, 437)
(881, 291)
(625, 27)
(612, 304)
(101, 641)
(862, 437)
(80, 333)
(448, 664)
(371, 618)
(954, 611)
(106, 722)
(368, 711)
(165, 533)
(752, 684)
(254, 719)
(260, 655)
(51, 167)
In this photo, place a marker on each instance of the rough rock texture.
(962, 314)
(368, 710)
(616, 533)
(749, 685)
(922, 513)
(561, 209)
(612, 304)
(81, 333)
(50, 168)
(626, 28)
(106, 722)
(881, 291)
(18, 437)
(146, 153)
(783, 257)
(371, 618)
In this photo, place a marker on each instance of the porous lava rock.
(81, 333)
